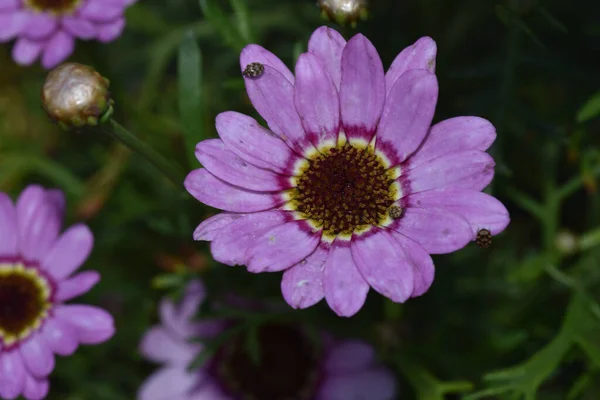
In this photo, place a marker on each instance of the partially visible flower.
(351, 188)
(290, 365)
(344, 11)
(36, 279)
(48, 28)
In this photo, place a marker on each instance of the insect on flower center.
(275, 362)
(24, 301)
(345, 190)
(53, 6)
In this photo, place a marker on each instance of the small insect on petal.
(395, 212)
(484, 238)
(253, 70)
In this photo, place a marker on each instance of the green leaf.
(591, 109)
(189, 75)
(553, 20)
(220, 22)
(242, 18)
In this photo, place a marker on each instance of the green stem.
(575, 183)
(589, 240)
(137, 145)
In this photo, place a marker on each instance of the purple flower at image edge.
(48, 28)
(350, 188)
(37, 276)
(343, 370)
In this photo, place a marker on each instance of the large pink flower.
(48, 28)
(290, 367)
(351, 187)
(36, 278)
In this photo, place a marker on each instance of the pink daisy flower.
(291, 366)
(48, 28)
(351, 187)
(36, 278)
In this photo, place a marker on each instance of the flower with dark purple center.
(351, 187)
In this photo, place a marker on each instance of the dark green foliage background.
(523, 307)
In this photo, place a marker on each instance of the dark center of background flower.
(23, 300)
(285, 366)
(343, 190)
(55, 6)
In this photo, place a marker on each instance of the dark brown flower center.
(284, 367)
(24, 298)
(344, 190)
(54, 6)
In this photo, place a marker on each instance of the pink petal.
(345, 288)
(101, 11)
(372, 384)
(92, 324)
(12, 24)
(438, 231)
(178, 318)
(12, 374)
(79, 27)
(350, 356)
(383, 265)
(316, 99)
(272, 95)
(421, 55)
(407, 114)
(328, 45)
(171, 382)
(37, 356)
(230, 245)
(35, 389)
(280, 247)
(214, 192)
(26, 51)
(107, 32)
(59, 47)
(227, 166)
(481, 210)
(209, 228)
(77, 285)
(302, 284)
(9, 5)
(8, 226)
(69, 252)
(40, 26)
(454, 135)
(39, 222)
(471, 169)
(56, 197)
(362, 89)
(419, 260)
(253, 143)
(159, 346)
(60, 337)
(209, 391)
(255, 53)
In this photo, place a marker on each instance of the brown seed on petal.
(484, 238)
(253, 70)
(395, 212)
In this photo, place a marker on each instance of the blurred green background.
(519, 320)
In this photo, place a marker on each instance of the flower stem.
(137, 145)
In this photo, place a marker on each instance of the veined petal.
(472, 169)
(272, 95)
(12, 374)
(35, 389)
(255, 53)
(481, 210)
(37, 356)
(316, 99)
(281, 247)
(255, 144)
(420, 261)
(60, 337)
(227, 166)
(345, 288)
(214, 192)
(302, 284)
(407, 114)
(383, 265)
(77, 285)
(69, 252)
(210, 227)
(437, 230)
(109, 31)
(328, 45)
(454, 135)
(231, 243)
(8, 226)
(362, 89)
(421, 55)
(93, 325)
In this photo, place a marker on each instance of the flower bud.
(344, 11)
(75, 95)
